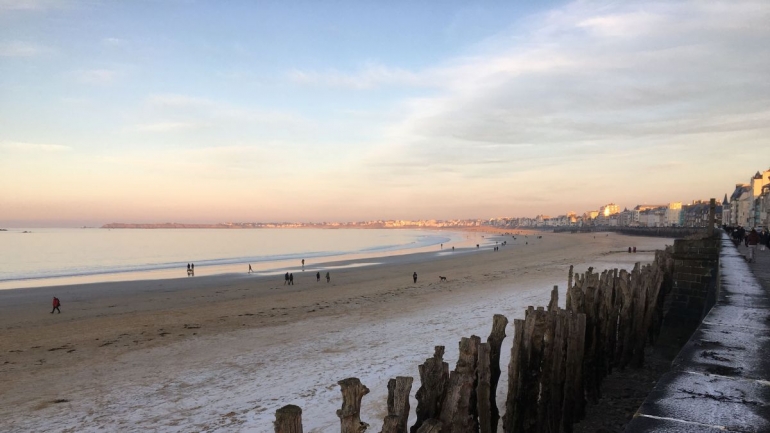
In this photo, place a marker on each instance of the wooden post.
(554, 303)
(430, 426)
(434, 376)
(350, 413)
(574, 395)
(483, 390)
(495, 341)
(515, 368)
(568, 299)
(546, 371)
(554, 410)
(398, 405)
(458, 413)
(288, 419)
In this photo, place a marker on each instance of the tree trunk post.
(458, 413)
(434, 377)
(495, 341)
(288, 419)
(483, 390)
(398, 405)
(350, 413)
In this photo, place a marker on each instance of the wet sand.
(222, 353)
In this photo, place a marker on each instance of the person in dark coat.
(286, 279)
(317, 277)
(291, 279)
(414, 276)
(56, 305)
(328, 278)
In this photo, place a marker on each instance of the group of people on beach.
(751, 239)
(191, 269)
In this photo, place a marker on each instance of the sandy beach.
(222, 353)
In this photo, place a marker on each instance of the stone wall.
(694, 292)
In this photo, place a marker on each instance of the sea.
(59, 256)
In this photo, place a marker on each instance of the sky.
(242, 111)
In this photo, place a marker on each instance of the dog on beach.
(440, 278)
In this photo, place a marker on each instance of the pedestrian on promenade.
(291, 279)
(751, 241)
(317, 277)
(764, 238)
(56, 305)
(414, 276)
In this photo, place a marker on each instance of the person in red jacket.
(56, 305)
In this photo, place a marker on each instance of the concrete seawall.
(720, 380)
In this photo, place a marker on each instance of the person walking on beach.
(751, 241)
(291, 279)
(317, 277)
(303, 264)
(286, 279)
(56, 305)
(414, 277)
(250, 271)
(192, 269)
(328, 278)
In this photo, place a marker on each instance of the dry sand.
(223, 353)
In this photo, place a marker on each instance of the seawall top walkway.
(720, 380)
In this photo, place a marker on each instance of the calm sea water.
(61, 256)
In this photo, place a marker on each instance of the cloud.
(179, 101)
(20, 146)
(31, 5)
(97, 76)
(204, 110)
(624, 80)
(21, 49)
(114, 42)
(369, 76)
(168, 126)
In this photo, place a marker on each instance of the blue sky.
(262, 111)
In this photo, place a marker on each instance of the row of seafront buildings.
(749, 204)
(674, 214)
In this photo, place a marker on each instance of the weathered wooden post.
(458, 413)
(515, 368)
(288, 419)
(350, 413)
(558, 368)
(398, 405)
(434, 376)
(430, 426)
(495, 341)
(483, 389)
(574, 396)
(554, 303)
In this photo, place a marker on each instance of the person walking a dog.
(56, 305)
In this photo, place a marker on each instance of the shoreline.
(262, 266)
(256, 344)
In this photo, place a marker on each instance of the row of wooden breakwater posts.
(558, 361)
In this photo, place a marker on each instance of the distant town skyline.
(203, 112)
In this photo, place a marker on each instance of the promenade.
(719, 380)
(761, 265)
